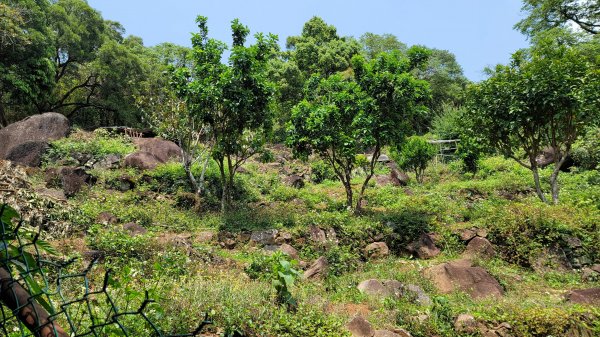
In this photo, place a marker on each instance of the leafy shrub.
(266, 156)
(447, 124)
(88, 146)
(321, 171)
(414, 155)
(586, 151)
(522, 231)
(280, 271)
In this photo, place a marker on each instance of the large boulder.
(142, 160)
(481, 247)
(377, 250)
(360, 327)
(25, 142)
(424, 247)
(264, 237)
(70, 179)
(461, 275)
(163, 150)
(585, 296)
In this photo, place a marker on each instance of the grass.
(190, 280)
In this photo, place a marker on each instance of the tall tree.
(330, 123)
(543, 98)
(546, 14)
(374, 44)
(26, 73)
(232, 100)
(398, 99)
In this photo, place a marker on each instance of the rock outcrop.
(25, 142)
(461, 275)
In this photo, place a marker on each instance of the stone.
(373, 287)
(481, 232)
(479, 246)
(141, 160)
(264, 237)
(551, 259)
(289, 251)
(28, 154)
(163, 150)
(294, 180)
(317, 269)
(385, 333)
(589, 275)
(134, 229)
(467, 234)
(107, 218)
(283, 237)
(402, 333)
(25, 141)
(393, 287)
(360, 327)
(465, 324)
(573, 242)
(417, 293)
(596, 268)
(399, 178)
(111, 161)
(52, 193)
(461, 275)
(584, 296)
(317, 234)
(205, 236)
(70, 179)
(228, 243)
(424, 247)
(377, 250)
(384, 288)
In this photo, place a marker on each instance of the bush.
(84, 146)
(414, 155)
(447, 124)
(321, 171)
(586, 151)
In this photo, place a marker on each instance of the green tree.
(543, 98)
(231, 100)
(399, 99)
(330, 123)
(414, 155)
(374, 44)
(341, 117)
(547, 14)
(26, 74)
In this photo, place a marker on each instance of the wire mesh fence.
(43, 297)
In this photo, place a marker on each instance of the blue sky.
(478, 32)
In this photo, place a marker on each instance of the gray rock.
(264, 237)
(317, 269)
(141, 160)
(111, 161)
(25, 141)
(465, 324)
(418, 294)
(377, 250)
(424, 247)
(589, 296)
(289, 250)
(134, 229)
(163, 150)
(360, 327)
(481, 247)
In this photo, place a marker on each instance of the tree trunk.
(3, 121)
(224, 186)
(31, 314)
(558, 163)
(187, 165)
(370, 174)
(538, 187)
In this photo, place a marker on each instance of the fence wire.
(41, 297)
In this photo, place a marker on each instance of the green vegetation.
(284, 163)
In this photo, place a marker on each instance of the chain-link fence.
(43, 297)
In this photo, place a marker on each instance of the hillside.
(460, 254)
